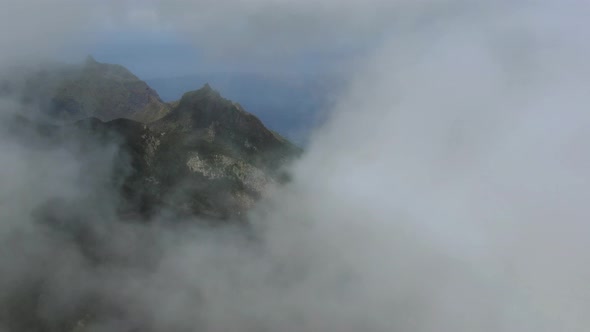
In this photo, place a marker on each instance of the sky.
(162, 54)
(138, 39)
(147, 54)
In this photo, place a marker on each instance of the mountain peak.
(95, 89)
(207, 90)
(205, 93)
(90, 60)
(209, 118)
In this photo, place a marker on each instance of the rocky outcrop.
(107, 92)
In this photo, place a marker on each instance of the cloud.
(447, 185)
(446, 192)
(35, 28)
(277, 30)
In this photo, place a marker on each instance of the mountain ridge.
(203, 155)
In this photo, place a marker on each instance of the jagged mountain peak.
(90, 60)
(205, 107)
(205, 92)
(206, 87)
(70, 92)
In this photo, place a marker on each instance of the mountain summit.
(212, 119)
(92, 89)
(107, 92)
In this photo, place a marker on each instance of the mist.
(446, 192)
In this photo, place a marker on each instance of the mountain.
(130, 160)
(93, 89)
(202, 155)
